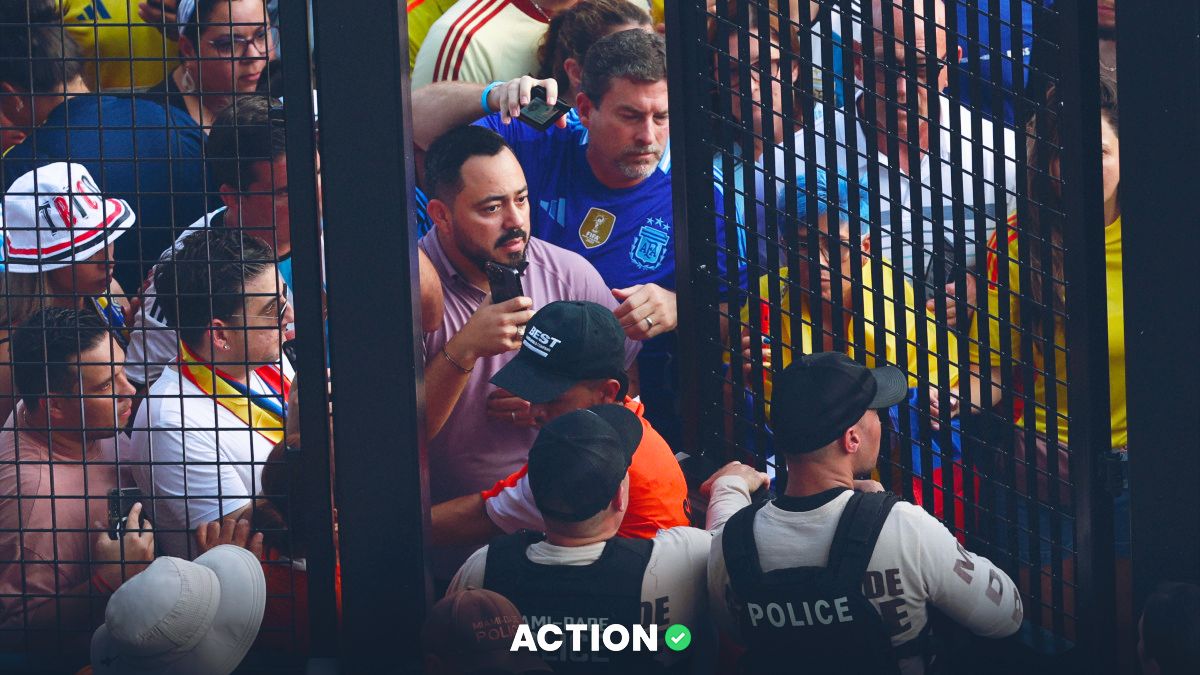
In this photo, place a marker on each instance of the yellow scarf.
(253, 409)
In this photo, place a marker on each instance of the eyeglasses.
(238, 46)
(757, 71)
(899, 71)
(823, 247)
(283, 307)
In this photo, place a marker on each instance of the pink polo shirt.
(48, 502)
(473, 451)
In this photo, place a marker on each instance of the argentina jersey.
(627, 234)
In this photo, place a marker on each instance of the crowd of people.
(147, 507)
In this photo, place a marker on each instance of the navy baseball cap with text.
(565, 343)
(819, 396)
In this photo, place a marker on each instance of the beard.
(480, 256)
(636, 169)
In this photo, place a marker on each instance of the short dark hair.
(46, 349)
(1171, 628)
(244, 135)
(36, 54)
(632, 54)
(445, 158)
(205, 278)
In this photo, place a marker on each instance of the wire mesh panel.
(147, 330)
(896, 171)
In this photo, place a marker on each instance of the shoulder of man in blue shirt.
(74, 129)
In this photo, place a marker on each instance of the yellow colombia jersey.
(422, 14)
(110, 33)
(802, 319)
(1116, 336)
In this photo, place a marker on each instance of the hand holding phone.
(120, 503)
(539, 114)
(505, 281)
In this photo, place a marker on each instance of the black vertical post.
(695, 264)
(1087, 336)
(372, 288)
(1160, 141)
(315, 511)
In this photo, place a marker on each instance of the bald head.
(896, 37)
(892, 44)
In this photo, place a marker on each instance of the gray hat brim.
(891, 387)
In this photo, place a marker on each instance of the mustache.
(510, 235)
(642, 150)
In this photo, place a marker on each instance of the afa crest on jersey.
(651, 244)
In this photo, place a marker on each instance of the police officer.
(581, 573)
(839, 578)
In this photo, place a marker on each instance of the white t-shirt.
(999, 192)
(673, 586)
(197, 448)
(917, 562)
(152, 345)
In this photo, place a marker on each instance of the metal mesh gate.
(907, 181)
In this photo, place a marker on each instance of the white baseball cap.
(55, 216)
(184, 617)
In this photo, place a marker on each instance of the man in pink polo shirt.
(479, 205)
(58, 563)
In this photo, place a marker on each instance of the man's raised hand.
(510, 97)
(646, 311)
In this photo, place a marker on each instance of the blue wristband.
(483, 99)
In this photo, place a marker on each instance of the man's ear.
(229, 197)
(620, 501)
(858, 62)
(12, 102)
(584, 105)
(574, 72)
(851, 440)
(217, 335)
(56, 409)
(439, 212)
(609, 390)
(866, 244)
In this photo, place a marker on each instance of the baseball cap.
(474, 629)
(54, 216)
(565, 342)
(579, 460)
(184, 617)
(819, 396)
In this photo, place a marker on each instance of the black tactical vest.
(814, 619)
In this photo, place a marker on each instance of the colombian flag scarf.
(263, 413)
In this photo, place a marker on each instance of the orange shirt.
(657, 490)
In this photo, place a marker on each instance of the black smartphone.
(120, 502)
(505, 281)
(949, 264)
(539, 114)
(289, 350)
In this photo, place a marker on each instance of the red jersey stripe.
(454, 34)
(462, 52)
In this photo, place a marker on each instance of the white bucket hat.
(184, 617)
(55, 216)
